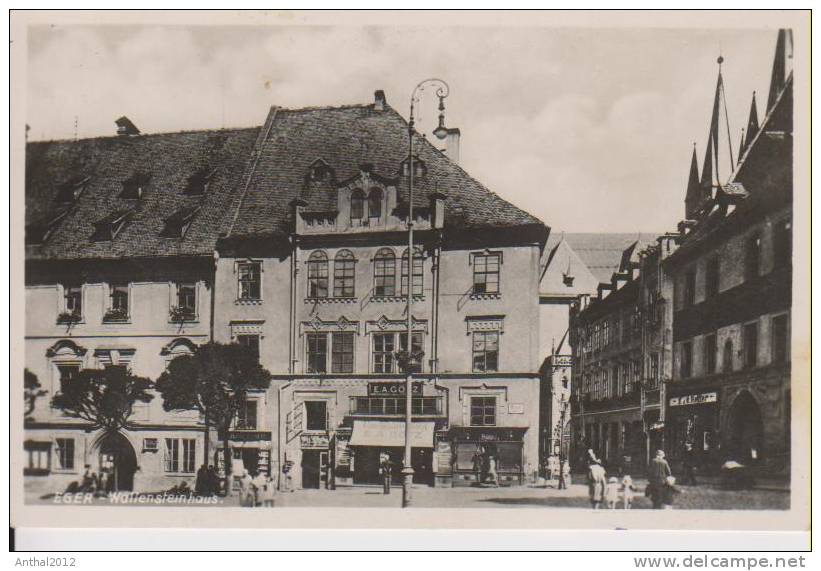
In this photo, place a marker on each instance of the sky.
(591, 130)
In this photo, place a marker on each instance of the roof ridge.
(145, 135)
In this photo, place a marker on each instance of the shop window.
(689, 288)
(752, 257)
(383, 352)
(65, 453)
(342, 352)
(485, 351)
(686, 356)
(375, 203)
(509, 456)
(316, 415)
(384, 273)
(782, 243)
(344, 267)
(727, 359)
(712, 277)
(318, 275)
(249, 276)
(180, 455)
(486, 273)
(418, 272)
(67, 374)
(750, 345)
(710, 353)
(483, 411)
(317, 352)
(247, 415)
(780, 339)
(251, 342)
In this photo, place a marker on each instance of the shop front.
(692, 417)
(371, 438)
(474, 448)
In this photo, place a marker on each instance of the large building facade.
(291, 239)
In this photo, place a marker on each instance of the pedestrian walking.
(266, 494)
(628, 491)
(690, 466)
(492, 475)
(657, 477)
(201, 483)
(246, 491)
(612, 492)
(478, 466)
(385, 472)
(596, 482)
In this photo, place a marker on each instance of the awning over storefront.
(391, 434)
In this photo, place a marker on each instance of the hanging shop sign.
(702, 398)
(314, 440)
(562, 361)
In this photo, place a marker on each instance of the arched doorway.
(746, 429)
(118, 461)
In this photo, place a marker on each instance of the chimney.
(125, 127)
(452, 145)
(379, 101)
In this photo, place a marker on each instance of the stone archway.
(118, 460)
(745, 429)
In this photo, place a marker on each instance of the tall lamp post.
(409, 359)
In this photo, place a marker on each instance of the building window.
(485, 351)
(710, 353)
(384, 273)
(375, 203)
(119, 298)
(750, 345)
(416, 349)
(357, 206)
(317, 352)
(483, 411)
(605, 332)
(316, 415)
(318, 275)
(596, 336)
(187, 298)
(654, 370)
(712, 277)
(246, 415)
(344, 266)
(250, 280)
(418, 272)
(780, 339)
(686, 356)
(383, 352)
(342, 352)
(782, 243)
(614, 382)
(180, 455)
(73, 298)
(65, 453)
(38, 456)
(251, 342)
(752, 257)
(727, 359)
(67, 374)
(486, 273)
(689, 288)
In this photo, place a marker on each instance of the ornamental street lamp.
(410, 358)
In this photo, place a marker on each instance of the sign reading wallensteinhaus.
(702, 398)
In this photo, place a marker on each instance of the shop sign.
(490, 435)
(314, 440)
(249, 436)
(562, 361)
(392, 389)
(657, 426)
(702, 398)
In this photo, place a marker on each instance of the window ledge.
(181, 322)
(395, 298)
(484, 296)
(331, 300)
(117, 321)
(242, 301)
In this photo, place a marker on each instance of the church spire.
(782, 64)
(694, 196)
(752, 128)
(716, 164)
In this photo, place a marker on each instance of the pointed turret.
(741, 146)
(694, 196)
(782, 65)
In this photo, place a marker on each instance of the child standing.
(612, 492)
(628, 491)
(669, 492)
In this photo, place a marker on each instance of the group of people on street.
(661, 486)
(256, 491)
(485, 466)
(208, 482)
(92, 483)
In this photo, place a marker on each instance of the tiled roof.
(165, 163)
(345, 138)
(602, 252)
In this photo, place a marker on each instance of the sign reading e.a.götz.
(396, 389)
(702, 398)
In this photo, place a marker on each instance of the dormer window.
(375, 203)
(319, 171)
(107, 229)
(71, 190)
(357, 206)
(135, 186)
(199, 182)
(38, 232)
(178, 223)
(419, 168)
